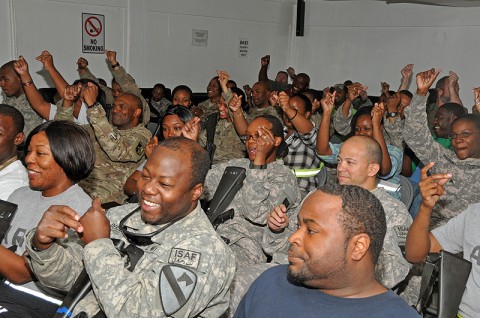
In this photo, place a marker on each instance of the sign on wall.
(199, 37)
(243, 48)
(93, 33)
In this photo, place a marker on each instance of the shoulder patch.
(176, 284)
(140, 148)
(401, 232)
(184, 257)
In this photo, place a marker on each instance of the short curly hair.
(361, 212)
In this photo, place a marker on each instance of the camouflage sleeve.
(64, 113)
(266, 189)
(418, 137)
(128, 85)
(159, 289)
(227, 96)
(202, 139)
(342, 123)
(118, 147)
(107, 90)
(392, 267)
(57, 266)
(393, 131)
(278, 242)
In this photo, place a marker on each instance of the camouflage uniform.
(201, 265)
(32, 119)
(128, 85)
(117, 154)
(262, 190)
(228, 143)
(161, 106)
(463, 188)
(391, 267)
(269, 110)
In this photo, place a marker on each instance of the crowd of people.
(102, 164)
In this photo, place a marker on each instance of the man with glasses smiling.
(182, 267)
(463, 162)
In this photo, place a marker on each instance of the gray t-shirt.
(32, 205)
(461, 234)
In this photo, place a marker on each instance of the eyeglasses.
(463, 134)
(246, 138)
(141, 239)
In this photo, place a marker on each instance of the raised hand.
(273, 98)
(46, 58)
(476, 98)
(21, 67)
(151, 145)
(82, 63)
(407, 71)
(265, 60)
(328, 102)
(111, 57)
(265, 144)
(248, 90)
(235, 103)
(354, 90)
(431, 187)
(95, 223)
(90, 94)
(393, 102)
(385, 87)
(425, 80)
(55, 223)
(377, 113)
(71, 92)
(191, 130)
(277, 220)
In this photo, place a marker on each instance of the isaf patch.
(184, 257)
(176, 286)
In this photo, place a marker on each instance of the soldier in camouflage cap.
(184, 268)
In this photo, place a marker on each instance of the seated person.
(58, 155)
(182, 95)
(122, 82)
(158, 100)
(366, 122)
(13, 174)
(268, 183)
(359, 162)
(463, 162)
(168, 230)
(458, 235)
(172, 123)
(332, 257)
(13, 95)
(71, 95)
(228, 144)
(119, 146)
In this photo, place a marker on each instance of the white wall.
(366, 41)
(371, 41)
(153, 38)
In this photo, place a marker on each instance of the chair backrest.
(406, 191)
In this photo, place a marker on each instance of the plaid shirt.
(302, 155)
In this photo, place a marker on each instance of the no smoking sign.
(93, 33)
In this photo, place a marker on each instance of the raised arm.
(407, 71)
(262, 74)
(47, 60)
(419, 239)
(454, 88)
(323, 136)
(476, 97)
(239, 121)
(301, 124)
(377, 115)
(35, 99)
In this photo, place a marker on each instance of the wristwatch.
(392, 114)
